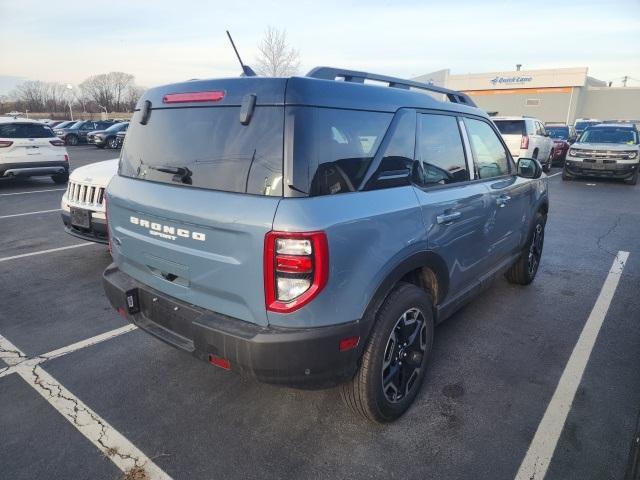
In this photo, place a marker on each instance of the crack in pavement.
(601, 238)
(113, 445)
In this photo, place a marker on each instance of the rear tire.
(383, 388)
(633, 180)
(546, 168)
(71, 140)
(60, 178)
(524, 270)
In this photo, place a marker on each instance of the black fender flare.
(417, 260)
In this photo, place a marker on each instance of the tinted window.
(333, 148)
(489, 155)
(561, 133)
(116, 127)
(440, 151)
(397, 166)
(208, 148)
(25, 130)
(609, 135)
(510, 127)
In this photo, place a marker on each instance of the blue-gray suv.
(311, 231)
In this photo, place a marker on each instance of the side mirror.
(529, 168)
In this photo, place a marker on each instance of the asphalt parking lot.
(96, 409)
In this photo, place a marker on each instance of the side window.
(440, 151)
(397, 164)
(543, 131)
(489, 156)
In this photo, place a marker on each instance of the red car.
(563, 136)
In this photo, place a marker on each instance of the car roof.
(513, 117)
(319, 91)
(614, 125)
(18, 120)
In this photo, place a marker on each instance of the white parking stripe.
(113, 445)
(557, 173)
(34, 191)
(30, 213)
(538, 457)
(42, 252)
(13, 359)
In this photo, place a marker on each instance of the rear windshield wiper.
(180, 174)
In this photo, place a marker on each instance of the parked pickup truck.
(310, 232)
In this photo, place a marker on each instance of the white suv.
(29, 148)
(526, 137)
(83, 208)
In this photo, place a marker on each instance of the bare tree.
(107, 90)
(133, 94)
(276, 58)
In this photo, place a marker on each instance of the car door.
(548, 142)
(509, 194)
(454, 207)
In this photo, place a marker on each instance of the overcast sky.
(162, 41)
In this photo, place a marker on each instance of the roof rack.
(331, 73)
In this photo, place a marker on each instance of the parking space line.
(113, 445)
(34, 191)
(540, 452)
(30, 213)
(13, 358)
(557, 173)
(41, 252)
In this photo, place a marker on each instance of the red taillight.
(294, 264)
(296, 269)
(66, 157)
(57, 143)
(348, 343)
(524, 143)
(5, 143)
(214, 96)
(220, 362)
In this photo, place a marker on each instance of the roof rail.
(331, 73)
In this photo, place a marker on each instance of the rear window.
(207, 147)
(561, 133)
(334, 148)
(510, 127)
(25, 130)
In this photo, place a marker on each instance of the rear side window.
(25, 130)
(440, 150)
(335, 147)
(208, 147)
(489, 155)
(510, 127)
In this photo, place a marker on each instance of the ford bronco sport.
(610, 150)
(311, 231)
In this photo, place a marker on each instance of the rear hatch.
(197, 191)
(24, 142)
(512, 132)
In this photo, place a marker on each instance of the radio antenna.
(247, 71)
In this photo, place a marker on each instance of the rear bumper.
(619, 171)
(97, 233)
(33, 169)
(301, 358)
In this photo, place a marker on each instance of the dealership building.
(553, 95)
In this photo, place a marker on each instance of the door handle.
(447, 218)
(502, 200)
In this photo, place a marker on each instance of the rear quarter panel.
(369, 233)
